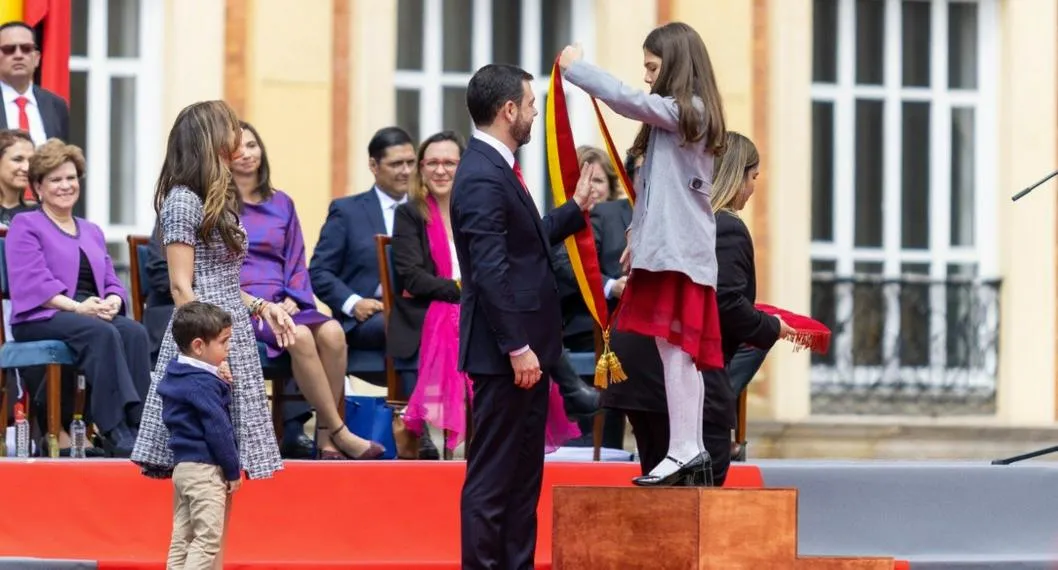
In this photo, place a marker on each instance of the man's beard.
(520, 132)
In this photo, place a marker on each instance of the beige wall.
(193, 61)
(372, 100)
(1027, 149)
(289, 101)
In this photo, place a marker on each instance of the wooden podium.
(683, 528)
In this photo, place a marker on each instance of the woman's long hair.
(731, 169)
(264, 187)
(686, 72)
(8, 139)
(418, 192)
(202, 143)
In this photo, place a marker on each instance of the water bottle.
(78, 437)
(21, 432)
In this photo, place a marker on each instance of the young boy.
(195, 398)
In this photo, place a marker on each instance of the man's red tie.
(23, 118)
(518, 173)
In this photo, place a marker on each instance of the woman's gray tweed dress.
(216, 280)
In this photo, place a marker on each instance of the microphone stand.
(1047, 450)
(1022, 194)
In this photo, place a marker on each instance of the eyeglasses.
(9, 49)
(435, 164)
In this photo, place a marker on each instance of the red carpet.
(373, 515)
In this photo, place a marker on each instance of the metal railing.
(906, 346)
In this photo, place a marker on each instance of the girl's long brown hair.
(201, 145)
(686, 72)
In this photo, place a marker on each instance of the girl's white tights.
(685, 397)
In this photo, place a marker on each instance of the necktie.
(23, 118)
(518, 173)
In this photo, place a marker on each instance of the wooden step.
(601, 528)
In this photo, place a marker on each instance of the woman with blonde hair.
(205, 244)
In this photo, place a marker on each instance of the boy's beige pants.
(201, 506)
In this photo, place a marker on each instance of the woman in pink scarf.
(425, 316)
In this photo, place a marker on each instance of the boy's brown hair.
(198, 320)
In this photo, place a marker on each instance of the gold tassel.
(601, 370)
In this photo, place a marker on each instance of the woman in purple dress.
(274, 270)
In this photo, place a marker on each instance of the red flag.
(54, 16)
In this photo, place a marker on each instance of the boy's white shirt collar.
(192, 361)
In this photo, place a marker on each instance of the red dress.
(668, 305)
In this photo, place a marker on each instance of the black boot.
(580, 398)
(427, 449)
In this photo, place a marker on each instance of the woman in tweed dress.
(205, 245)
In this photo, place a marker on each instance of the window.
(903, 170)
(115, 95)
(442, 42)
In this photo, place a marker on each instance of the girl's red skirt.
(668, 305)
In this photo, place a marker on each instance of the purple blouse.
(274, 267)
(43, 261)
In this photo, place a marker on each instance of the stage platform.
(405, 514)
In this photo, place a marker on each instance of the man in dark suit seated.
(40, 112)
(344, 265)
(509, 322)
(157, 313)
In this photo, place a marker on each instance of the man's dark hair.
(385, 138)
(198, 320)
(491, 87)
(17, 24)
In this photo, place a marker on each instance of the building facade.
(892, 134)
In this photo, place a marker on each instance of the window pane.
(79, 28)
(824, 303)
(914, 221)
(408, 112)
(122, 150)
(962, 45)
(869, 181)
(822, 171)
(557, 28)
(916, 21)
(868, 314)
(870, 41)
(914, 315)
(962, 176)
(79, 128)
(963, 319)
(507, 31)
(457, 33)
(409, 34)
(123, 28)
(825, 41)
(455, 115)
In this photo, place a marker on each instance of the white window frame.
(147, 70)
(842, 251)
(432, 79)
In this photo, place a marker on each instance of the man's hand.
(618, 287)
(583, 194)
(234, 485)
(224, 371)
(364, 308)
(290, 306)
(569, 55)
(526, 369)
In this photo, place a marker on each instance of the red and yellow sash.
(564, 172)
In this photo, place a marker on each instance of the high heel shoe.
(373, 451)
(688, 474)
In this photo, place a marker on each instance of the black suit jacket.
(345, 260)
(609, 221)
(417, 277)
(740, 322)
(510, 297)
(53, 113)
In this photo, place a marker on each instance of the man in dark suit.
(27, 106)
(344, 265)
(510, 326)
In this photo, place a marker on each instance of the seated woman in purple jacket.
(274, 270)
(63, 287)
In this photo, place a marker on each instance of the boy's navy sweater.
(195, 409)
